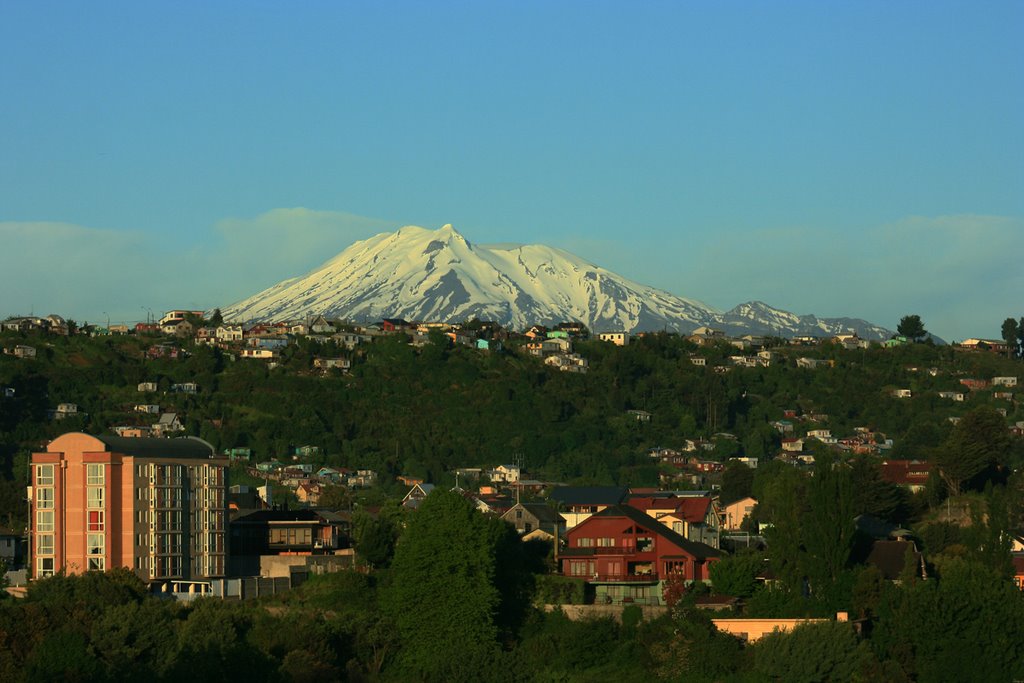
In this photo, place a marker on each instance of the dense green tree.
(872, 495)
(979, 440)
(376, 542)
(925, 628)
(1011, 332)
(736, 575)
(737, 482)
(912, 328)
(813, 653)
(452, 589)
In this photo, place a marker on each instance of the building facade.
(628, 556)
(155, 506)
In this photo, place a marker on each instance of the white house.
(617, 338)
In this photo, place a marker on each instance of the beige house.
(734, 513)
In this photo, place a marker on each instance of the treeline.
(458, 601)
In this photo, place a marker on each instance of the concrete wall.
(584, 612)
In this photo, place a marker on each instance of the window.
(519, 514)
(606, 542)
(675, 567)
(44, 520)
(585, 543)
(95, 520)
(94, 475)
(95, 544)
(97, 564)
(44, 477)
(44, 567)
(527, 527)
(44, 544)
(94, 497)
(44, 499)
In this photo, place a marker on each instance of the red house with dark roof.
(912, 474)
(627, 556)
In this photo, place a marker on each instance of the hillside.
(425, 411)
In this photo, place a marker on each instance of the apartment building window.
(44, 567)
(95, 544)
(95, 521)
(97, 564)
(94, 475)
(94, 497)
(44, 499)
(44, 544)
(44, 475)
(44, 520)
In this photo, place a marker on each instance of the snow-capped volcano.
(438, 275)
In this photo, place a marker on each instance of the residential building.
(22, 351)
(617, 338)
(692, 517)
(169, 423)
(528, 517)
(175, 316)
(416, 495)
(1004, 381)
(734, 513)
(154, 506)
(280, 542)
(577, 503)
(911, 474)
(628, 556)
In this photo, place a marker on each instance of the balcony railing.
(651, 577)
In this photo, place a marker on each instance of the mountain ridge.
(420, 274)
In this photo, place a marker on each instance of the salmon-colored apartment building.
(156, 506)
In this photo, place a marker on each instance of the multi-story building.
(155, 506)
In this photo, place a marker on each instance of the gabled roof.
(693, 510)
(890, 557)
(543, 513)
(590, 495)
(699, 550)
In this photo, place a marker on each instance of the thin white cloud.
(89, 273)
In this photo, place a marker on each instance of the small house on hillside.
(416, 495)
(528, 517)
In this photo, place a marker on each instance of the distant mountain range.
(438, 275)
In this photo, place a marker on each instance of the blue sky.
(843, 158)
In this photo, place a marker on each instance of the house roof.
(906, 471)
(890, 557)
(187, 447)
(698, 550)
(590, 495)
(267, 516)
(693, 510)
(543, 513)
